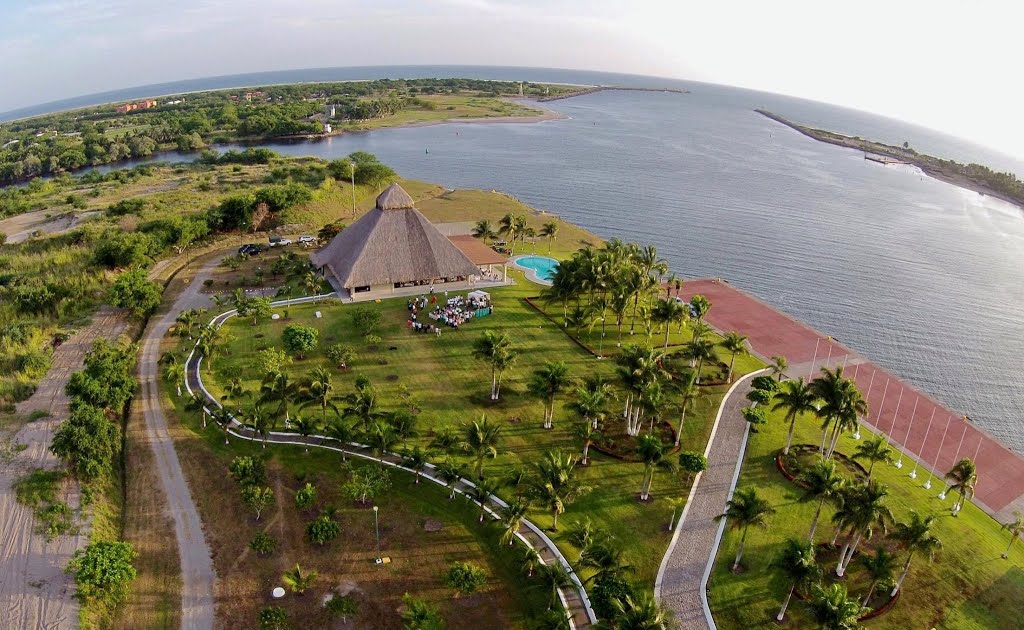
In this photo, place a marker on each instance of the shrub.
(271, 360)
(248, 470)
(86, 442)
(755, 416)
(341, 355)
(305, 497)
(263, 544)
(464, 578)
(366, 319)
(103, 571)
(343, 606)
(692, 463)
(366, 483)
(607, 590)
(765, 383)
(760, 396)
(273, 618)
(323, 529)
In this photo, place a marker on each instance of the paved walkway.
(683, 576)
(574, 599)
(197, 573)
(914, 422)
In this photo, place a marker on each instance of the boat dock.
(883, 159)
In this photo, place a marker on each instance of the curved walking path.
(683, 576)
(574, 599)
(197, 573)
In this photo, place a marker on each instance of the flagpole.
(899, 462)
(942, 495)
(917, 460)
(895, 414)
(810, 372)
(931, 470)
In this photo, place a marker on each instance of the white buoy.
(278, 592)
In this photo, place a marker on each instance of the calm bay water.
(920, 276)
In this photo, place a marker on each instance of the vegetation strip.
(193, 364)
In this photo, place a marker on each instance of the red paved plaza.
(925, 429)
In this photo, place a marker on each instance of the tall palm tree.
(962, 477)
(235, 391)
(862, 511)
(512, 516)
(841, 405)
(278, 388)
(484, 230)
(606, 557)
(554, 483)
(174, 373)
(591, 401)
(362, 404)
(735, 344)
(915, 536)
(496, 349)
(481, 440)
(381, 438)
(186, 323)
(552, 578)
(211, 342)
(666, 313)
(699, 351)
(261, 422)
(652, 452)
(686, 387)
(546, 383)
(306, 426)
(342, 432)
(451, 474)
(223, 418)
(319, 392)
(641, 612)
(797, 565)
(549, 231)
(584, 534)
(587, 434)
(822, 484)
(699, 306)
(873, 450)
(1016, 528)
(481, 492)
(880, 566)
(529, 560)
(297, 580)
(778, 367)
(744, 509)
(415, 458)
(797, 399)
(832, 608)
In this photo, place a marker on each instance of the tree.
(273, 618)
(699, 351)
(778, 367)
(343, 606)
(305, 496)
(652, 452)
(546, 383)
(277, 387)
(549, 231)
(133, 290)
(312, 283)
(261, 422)
(841, 405)
(367, 482)
(699, 306)
(258, 308)
(666, 313)
(107, 378)
(464, 578)
(512, 516)
(735, 344)
(257, 498)
(306, 427)
(342, 432)
(496, 349)
(263, 544)
(366, 320)
(481, 440)
(416, 459)
(484, 230)
(319, 392)
(642, 612)
(553, 577)
(744, 509)
(248, 471)
(880, 567)
(1016, 528)
(103, 571)
(863, 509)
(796, 564)
(915, 536)
(822, 484)
(324, 528)
(692, 463)
(299, 339)
(341, 355)
(362, 404)
(755, 416)
(962, 477)
(86, 443)
(873, 450)
(606, 592)
(481, 493)
(298, 580)
(587, 434)
(832, 608)
(797, 399)
(419, 615)
(381, 437)
(554, 484)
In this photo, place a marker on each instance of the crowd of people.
(453, 312)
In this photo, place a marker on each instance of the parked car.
(279, 241)
(250, 249)
(307, 239)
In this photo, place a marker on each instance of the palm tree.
(278, 388)
(319, 391)
(744, 509)
(687, 388)
(698, 351)
(699, 306)
(512, 516)
(880, 566)
(915, 536)
(342, 432)
(833, 609)
(963, 477)
(509, 226)
(587, 434)
(175, 373)
(529, 560)
(797, 565)
(451, 474)
(822, 484)
(1016, 528)
(591, 403)
(583, 534)
(554, 483)
(606, 558)
(484, 230)
(652, 452)
(553, 577)
(187, 322)
(797, 399)
(306, 427)
(481, 440)
(381, 437)
(863, 510)
(261, 422)
(549, 231)
(311, 282)
(641, 612)
(735, 344)
(211, 342)
(548, 382)
(298, 580)
(481, 492)
(362, 404)
(666, 313)
(235, 390)
(873, 450)
(224, 419)
(677, 504)
(416, 459)
(841, 405)
(778, 367)
(496, 349)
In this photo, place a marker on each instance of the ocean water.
(920, 276)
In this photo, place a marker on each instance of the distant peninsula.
(976, 177)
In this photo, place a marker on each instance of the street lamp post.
(353, 171)
(376, 527)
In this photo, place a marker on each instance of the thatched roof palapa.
(392, 243)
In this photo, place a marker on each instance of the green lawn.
(451, 387)
(968, 585)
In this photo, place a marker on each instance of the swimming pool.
(542, 267)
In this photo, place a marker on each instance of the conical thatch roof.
(392, 243)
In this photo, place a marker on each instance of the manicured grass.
(968, 585)
(450, 387)
(447, 107)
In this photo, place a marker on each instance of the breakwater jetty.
(605, 88)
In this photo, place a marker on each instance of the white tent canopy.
(479, 295)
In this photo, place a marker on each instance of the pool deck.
(914, 422)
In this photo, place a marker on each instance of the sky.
(948, 65)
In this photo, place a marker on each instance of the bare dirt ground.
(34, 591)
(21, 227)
